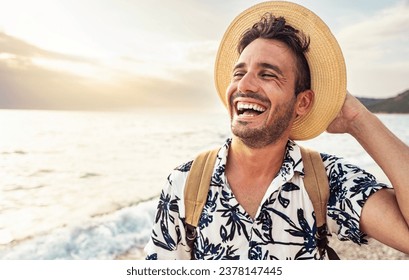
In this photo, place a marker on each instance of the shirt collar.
(292, 159)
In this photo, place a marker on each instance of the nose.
(248, 83)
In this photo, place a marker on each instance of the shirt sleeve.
(168, 238)
(350, 188)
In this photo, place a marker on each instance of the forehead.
(268, 51)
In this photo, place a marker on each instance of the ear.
(304, 103)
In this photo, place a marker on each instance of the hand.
(351, 111)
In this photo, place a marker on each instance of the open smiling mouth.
(249, 109)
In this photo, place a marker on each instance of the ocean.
(84, 185)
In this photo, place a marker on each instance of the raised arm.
(385, 215)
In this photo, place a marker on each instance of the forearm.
(388, 151)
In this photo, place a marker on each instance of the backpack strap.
(196, 190)
(317, 186)
(198, 183)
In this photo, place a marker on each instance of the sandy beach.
(374, 251)
(346, 251)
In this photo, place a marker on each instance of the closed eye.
(268, 75)
(238, 75)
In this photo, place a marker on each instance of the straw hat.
(325, 59)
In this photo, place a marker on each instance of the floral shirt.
(284, 225)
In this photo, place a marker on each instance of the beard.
(269, 132)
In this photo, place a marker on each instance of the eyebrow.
(262, 65)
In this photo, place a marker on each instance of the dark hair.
(270, 27)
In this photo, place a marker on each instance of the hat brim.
(325, 59)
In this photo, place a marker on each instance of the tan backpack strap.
(197, 185)
(317, 186)
(196, 190)
(316, 183)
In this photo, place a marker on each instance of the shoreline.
(345, 250)
(132, 254)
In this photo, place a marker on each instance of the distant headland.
(398, 104)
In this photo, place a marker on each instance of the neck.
(250, 172)
(260, 161)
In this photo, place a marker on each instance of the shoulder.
(350, 184)
(177, 178)
(341, 169)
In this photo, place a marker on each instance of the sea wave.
(102, 238)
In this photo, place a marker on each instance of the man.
(286, 82)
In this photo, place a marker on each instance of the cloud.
(22, 49)
(25, 83)
(378, 35)
(161, 56)
(376, 50)
(36, 88)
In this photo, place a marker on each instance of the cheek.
(229, 92)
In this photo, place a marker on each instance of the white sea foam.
(104, 237)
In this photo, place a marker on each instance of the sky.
(123, 54)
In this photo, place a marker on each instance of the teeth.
(246, 106)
